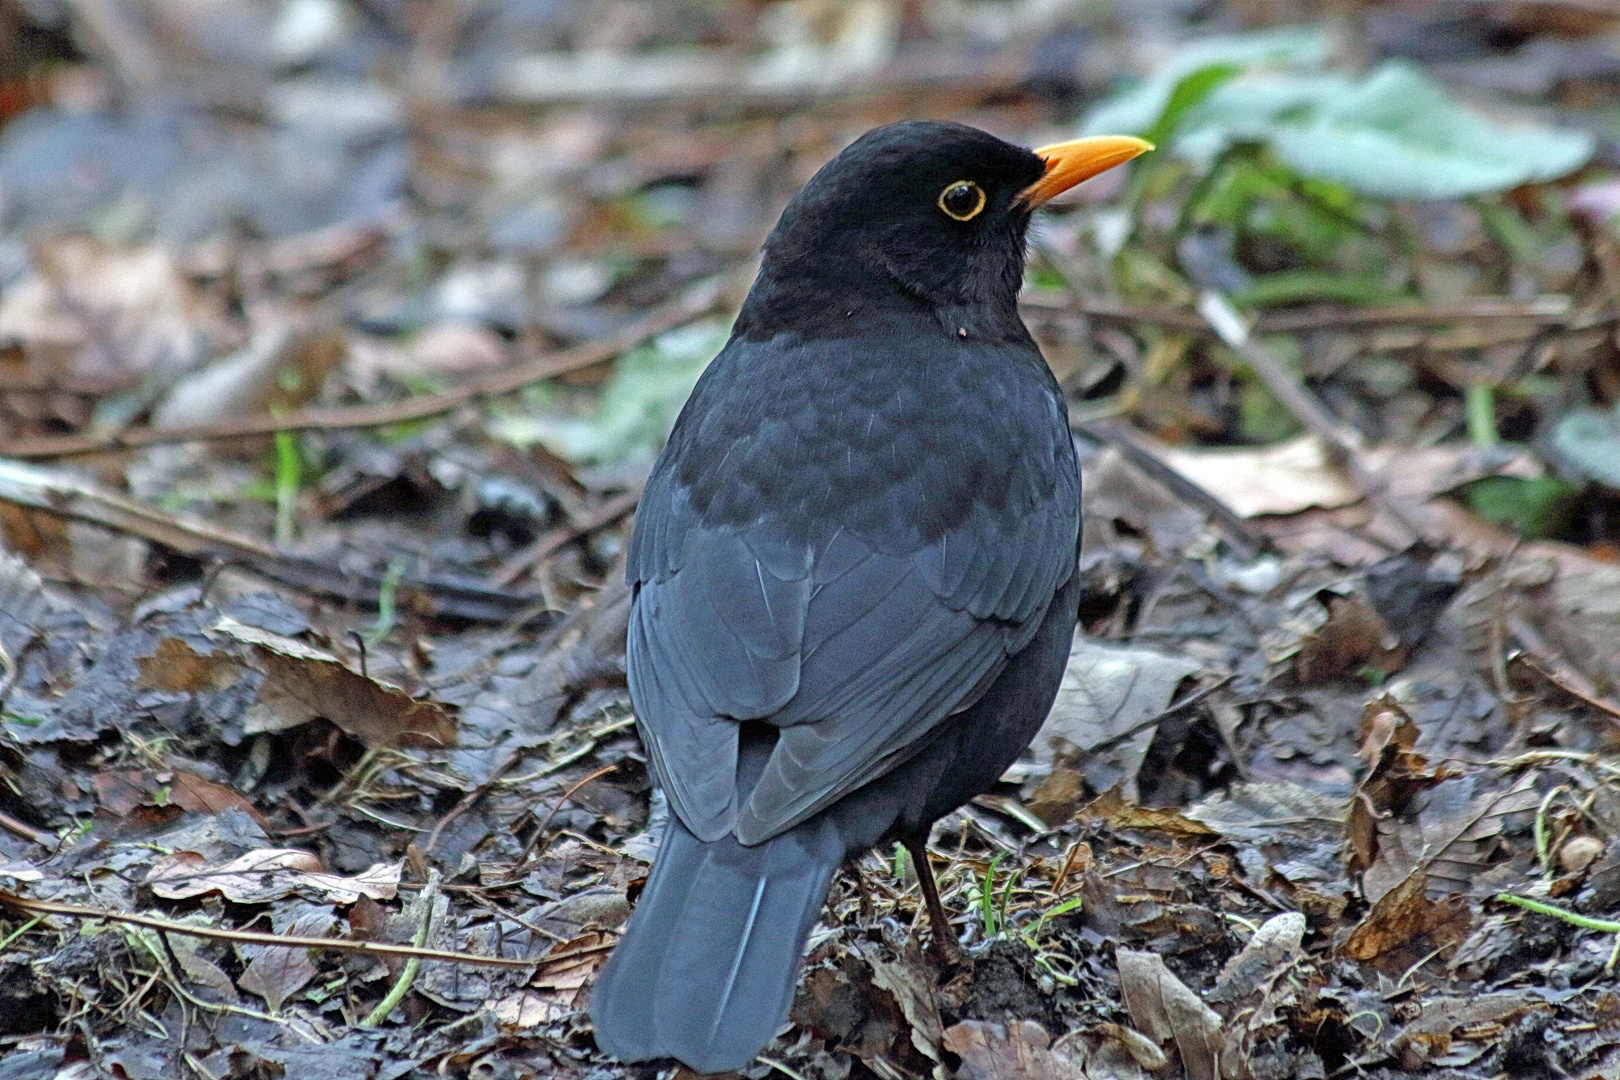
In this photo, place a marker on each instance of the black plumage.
(854, 572)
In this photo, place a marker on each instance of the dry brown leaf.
(561, 971)
(1111, 809)
(1454, 1031)
(1164, 1009)
(1405, 926)
(1353, 637)
(17, 870)
(176, 668)
(1447, 836)
(1108, 691)
(122, 792)
(909, 982)
(262, 876)
(1579, 610)
(108, 310)
(1268, 954)
(277, 973)
(1283, 478)
(528, 1009)
(1138, 1047)
(296, 691)
(302, 683)
(1288, 477)
(199, 968)
(1012, 1051)
(1056, 798)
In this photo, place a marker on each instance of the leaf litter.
(318, 460)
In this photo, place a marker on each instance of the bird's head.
(916, 215)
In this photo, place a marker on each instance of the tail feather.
(706, 970)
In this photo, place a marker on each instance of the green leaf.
(1140, 108)
(987, 899)
(1189, 93)
(1399, 135)
(636, 409)
(1293, 286)
(1537, 507)
(1589, 440)
(1394, 134)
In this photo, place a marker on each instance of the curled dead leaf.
(262, 876)
(302, 683)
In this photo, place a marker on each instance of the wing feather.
(800, 588)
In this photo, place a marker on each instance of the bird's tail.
(706, 969)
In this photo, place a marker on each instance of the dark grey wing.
(855, 639)
(713, 642)
(888, 654)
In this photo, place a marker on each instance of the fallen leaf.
(1268, 954)
(276, 973)
(1283, 478)
(909, 982)
(1164, 1009)
(528, 1009)
(1454, 1031)
(121, 792)
(271, 874)
(1405, 925)
(1012, 1051)
(198, 967)
(302, 683)
(1442, 832)
(1108, 693)
(1353, 637)
(175, 668)
(1111, 809)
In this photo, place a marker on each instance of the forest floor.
(337, 338)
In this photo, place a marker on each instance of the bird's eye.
(962, 200)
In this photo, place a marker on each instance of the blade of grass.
(987, 899)
(289, 474)
(385, 603)
(1481, 401)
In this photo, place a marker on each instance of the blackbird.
(854, 572)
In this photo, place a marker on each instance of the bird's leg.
(942, 945)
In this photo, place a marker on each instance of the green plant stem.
(289, 470)
(385, 603)
(20, 931)
(1481, 399)
(402, 985)
(1583, 921)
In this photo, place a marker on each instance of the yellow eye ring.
(962, 200)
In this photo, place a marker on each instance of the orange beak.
(1068, 163)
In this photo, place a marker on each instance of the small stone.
(1578, 852)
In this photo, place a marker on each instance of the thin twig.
(1344, 443)
(28, 832)
(1610, 711)
(1552, 311)
(254, 937)
(700, 301)
(528, 849)
(1164, 714)
(1130, 444)
(470, 798)
(538, 552)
